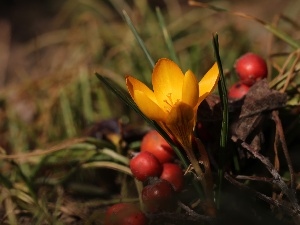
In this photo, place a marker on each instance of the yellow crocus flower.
(174, 100)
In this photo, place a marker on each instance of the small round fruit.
(145, 165)
(159, 195)
(173, 173)
(238, 90)
(153, 142)
(124, 214)
(251, 68)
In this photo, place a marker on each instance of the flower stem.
(196, 166)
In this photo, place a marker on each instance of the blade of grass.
(86, 95)
(117, 167)
(166, 35)
(19, 193)
(110, 165)
(16, 137)
(115, 156)
(26, 179)
(105, 109)
(5, 182)
(9, 206)
(278, 33)
(67, 115)
(138, 38)
(224, 128)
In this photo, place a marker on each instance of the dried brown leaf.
(257, 104)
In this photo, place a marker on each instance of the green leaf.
(138, 38)
(224, 128)
(166, 35)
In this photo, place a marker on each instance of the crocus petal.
(149, 107)
(134, 84)
(167, 79)
(190, 89)
(180, 113)
(208, 82)
(180, 122)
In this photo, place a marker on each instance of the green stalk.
(166, 35)
(87, 104)
(138, 38)
(224, 128)
(67, 115)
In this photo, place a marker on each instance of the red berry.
(238, 90)
(153, 142)
(144, 166)
(124, 214)
(173, 173)
(159, 196)
(251, 68)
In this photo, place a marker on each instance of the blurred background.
(49, 51)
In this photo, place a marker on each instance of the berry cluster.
(154, 165)
(250, 68)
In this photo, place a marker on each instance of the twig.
(193, 214)
(255, 178)
(291, 72)
(282, 204)
(279, 129)
(290, 193)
